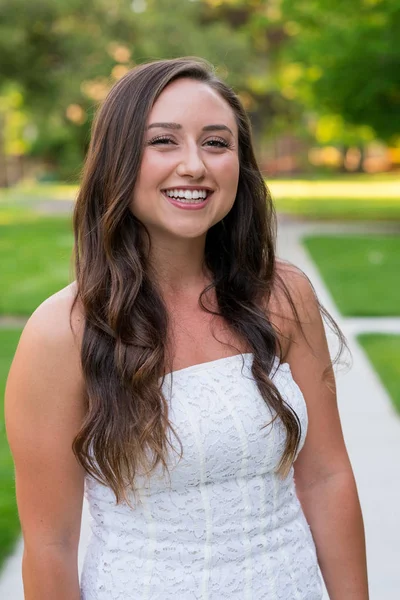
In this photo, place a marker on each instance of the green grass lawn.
(9, 522)
(35, 258)
(340, 209)
(26, 193)
(383, 350)
(362, 272)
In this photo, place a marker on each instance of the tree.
(64, 55)
(348, 59)
(260, 22)
(53, 50)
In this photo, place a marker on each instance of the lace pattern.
(225, 526)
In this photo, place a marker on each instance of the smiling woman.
(181, 325)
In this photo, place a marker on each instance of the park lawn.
(339, 209)
(350, 187)
(383, 350)
(362, 272)
(25, 193)
(9, 522)
(35, 261)
(15, 212)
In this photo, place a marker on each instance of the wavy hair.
(124, 345)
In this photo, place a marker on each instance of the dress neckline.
(211, 363)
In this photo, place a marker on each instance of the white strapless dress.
(226, 527)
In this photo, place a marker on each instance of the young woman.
(183, 380)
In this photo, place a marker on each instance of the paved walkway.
(371, 430)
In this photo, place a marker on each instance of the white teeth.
(187, 194)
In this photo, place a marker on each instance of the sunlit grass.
(361, 189)
(383, 350)
(361, 272)
(354, 199)
(339, 209)
(35, 191)
(34, 262)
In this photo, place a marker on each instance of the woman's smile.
(188, 198)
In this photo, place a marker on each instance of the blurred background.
(320, 80)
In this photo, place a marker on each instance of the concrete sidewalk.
(372, 434)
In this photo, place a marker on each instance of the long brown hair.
(124, 346)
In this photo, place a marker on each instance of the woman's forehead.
(186, 101)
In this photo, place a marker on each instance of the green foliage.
(271, 105)
(14, 120)
(333, 129)
(50, 49)
(162, 35)
(51, 46)
(350, 59)
(362, 272)
(64, 56)
(383, 350)
(322, 68)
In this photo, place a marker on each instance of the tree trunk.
(3, 158)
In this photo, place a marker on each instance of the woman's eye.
(163, 140)
(218, 143)
(160, 140)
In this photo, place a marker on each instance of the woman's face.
(191, 151)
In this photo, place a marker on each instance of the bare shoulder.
(58, 319)
(293, 303)
(293, 282)
(301, 311)
(48, 352)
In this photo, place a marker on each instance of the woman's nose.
(191, 164)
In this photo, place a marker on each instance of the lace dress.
(225, 526)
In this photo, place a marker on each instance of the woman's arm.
(324, 478)
(44, 410)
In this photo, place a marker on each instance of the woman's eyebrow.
(178, 126)
(165, 125)
(217, 128)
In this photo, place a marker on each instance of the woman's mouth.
(189, 199)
